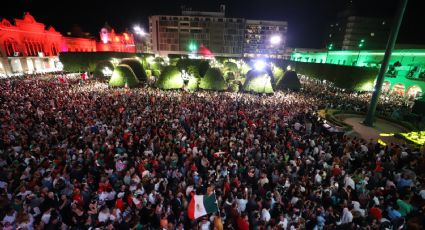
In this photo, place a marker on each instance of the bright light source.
(139, 31)
(107, 72)
(275, 39)
(192, 47)
(259, 65)
(288, 68)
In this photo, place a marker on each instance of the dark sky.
(307, 19)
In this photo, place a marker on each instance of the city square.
(210, 118)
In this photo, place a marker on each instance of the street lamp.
(361, 45)
(330, 47)
(139, 31)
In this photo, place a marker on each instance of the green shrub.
(87, 61)
(123, 75)
(258, 82)
(170, 78)
(137, 68)
(289, 81)
(230, 66)
(193, 84)
(98, 72)
(234, 88)
(213, 80)
(149, 73)
(277, 74)
(201, 65)
(156, 73)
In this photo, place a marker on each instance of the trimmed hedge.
(122, 75)
(201, 65)
(230, 66)
(87, 61)
(348, 77)
(289, 81)
(258, 82)
(170, 78)
(137, 68)
(193, 84)
(98, 72)
(213, 80)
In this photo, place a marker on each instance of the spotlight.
(259, 65)
(275, 39)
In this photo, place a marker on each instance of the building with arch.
(27, 46)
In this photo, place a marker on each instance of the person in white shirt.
(241, 203)
(265, 214)
(104, 215)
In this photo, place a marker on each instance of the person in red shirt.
(375, 212)
(242, 222)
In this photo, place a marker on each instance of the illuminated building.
(265, 38)
(111, 41)
(26, 46)
(231, 37)
(176, 34)
(405, 75)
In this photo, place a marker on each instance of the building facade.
(265, 38)
(356, 33)
(405, 75)
(232, 37)
(185, 34)
(26, 46)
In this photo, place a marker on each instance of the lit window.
(372, 34)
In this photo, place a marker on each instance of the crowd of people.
(85, 156)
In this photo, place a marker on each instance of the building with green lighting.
(405, 75)
(223, 36)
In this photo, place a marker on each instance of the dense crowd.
(83, 156)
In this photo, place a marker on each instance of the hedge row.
(348, 77)
(87, 61)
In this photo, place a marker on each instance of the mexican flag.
(201, 205)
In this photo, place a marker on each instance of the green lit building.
(405, 75)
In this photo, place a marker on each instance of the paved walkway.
(367, 133)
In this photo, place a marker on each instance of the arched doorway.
(398, 89)
(386, 87)
(414, 91)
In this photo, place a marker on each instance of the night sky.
(307, 19)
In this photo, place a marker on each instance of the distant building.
(265, 38)
(232, 37)
(185, 34)
(351, 31)
(26, 46)
(111, 41)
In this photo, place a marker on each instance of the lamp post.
(140, 32)
(380, 80)
(330, 47)
(361, 45)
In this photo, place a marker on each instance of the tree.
(123, 75)
(213, 80)
(137, 68)
(289, 81)
(258, 82)
(100, 69)
(170, 78)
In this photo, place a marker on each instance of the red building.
(26, 46)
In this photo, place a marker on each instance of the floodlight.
(275, 39)
(259, 65)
